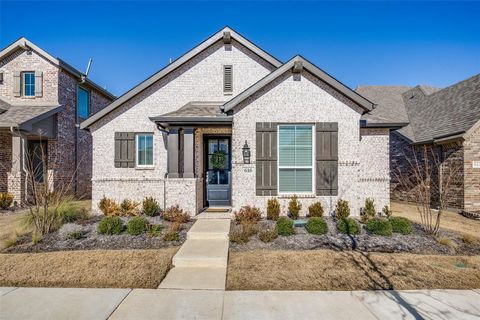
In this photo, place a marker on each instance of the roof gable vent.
(228, 79)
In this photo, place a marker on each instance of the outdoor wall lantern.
(246, 153)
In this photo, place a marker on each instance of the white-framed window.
(295, 159)
(144, 147)
(28, 84)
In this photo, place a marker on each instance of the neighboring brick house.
(447, 120)
(42, 101)
(227, 124)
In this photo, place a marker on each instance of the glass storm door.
(217, 168)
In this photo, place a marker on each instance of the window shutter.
(228, 78)
(38, 83)
(266, 159)
(16, 84)
(327, 158)
(124, 149)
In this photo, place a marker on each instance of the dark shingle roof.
(431, 112)
(197, 109)
(15, 115)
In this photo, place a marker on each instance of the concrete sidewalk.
(64, 303)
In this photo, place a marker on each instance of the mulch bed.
(417, 242)
(91, 240)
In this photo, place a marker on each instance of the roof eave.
(389, 125)
(191, 120)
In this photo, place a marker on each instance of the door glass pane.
(223, 145)
(212, 177)
(223, 177)
(212, 146)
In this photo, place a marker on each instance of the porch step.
(210, 229)
(206, 278)
(202, 253)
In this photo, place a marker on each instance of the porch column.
(16, 177)
(188, 153)
(172, 153)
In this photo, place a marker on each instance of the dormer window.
(29, 84)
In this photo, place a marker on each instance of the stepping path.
(201, 262)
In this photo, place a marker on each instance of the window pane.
(286, 180)
(29, 84)
(303, 180)
(82, 103)
(145, 149)
(287, 146)
(149, 150)
(141, 150)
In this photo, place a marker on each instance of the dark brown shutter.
(266, 159)
(327, 158)
(38, 83)
(227, 78)
(124, 149)
(17, 87)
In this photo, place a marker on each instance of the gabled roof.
(433, 114)
(177, 63)
(25, 44)
(337, 85)
(15, 115)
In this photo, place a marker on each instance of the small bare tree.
(428, 182)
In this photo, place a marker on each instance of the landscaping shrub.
(315, 210)
(110, 225)
(401, 225)
(173, 232)
(150, 207)
(294, 207)
(74, 212)
(369, 211)
(342, 210)
(129, 208)
(468, 238)
(175, 214)
(243, 234)
(316, 225)
(137, 226)
(248, 214)
(448, 242)
(109, 207)
(285, 226)
(268, 235)
(6, 200)
(154, 230)
(61, 211)
(387, 212)
(379, 226)
(273, 209)
(348, 226)
(76, 235)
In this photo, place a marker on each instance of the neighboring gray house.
(447, 119)
(42, 101)
(227, 124)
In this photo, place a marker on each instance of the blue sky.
(436, 43)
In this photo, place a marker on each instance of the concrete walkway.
(201, 262)
(92, 304)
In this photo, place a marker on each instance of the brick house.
(227, 124)
(446, 120)
(42, 101)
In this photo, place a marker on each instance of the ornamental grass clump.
(401, 225)
(273, 209)
(248, 214)
(315, 210)
(150, 207)
(316, 225)
(268, 235)
(109, 207)
(285, 226)
(136, 226)
(379, 226)
(173, 233)
(110, 226)
(6, 200)
(369, 211)
(348, 226)
(342, 210)
(154, 230)
(129, 208)
(387, 212)
(294, 207)
(175, 214)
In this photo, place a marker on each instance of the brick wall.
(472, 175)
(5, 158)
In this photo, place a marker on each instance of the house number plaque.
(476, 164)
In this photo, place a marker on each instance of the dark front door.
(36, 165)
(218, 171)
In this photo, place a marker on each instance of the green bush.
(294, 207)
(110, 225)
(316, 225)
(76, 235)
(348, 226)
(315, 210)
(342, 210)
(6, 200)
(268, 235)
(150, 207)
(379, 226)
(273, 209)
(154, 230)
(285, 226)
(137, 226)
(369, 211)
(248, 215)
(401, 225)
(387, 212)
(74, 213)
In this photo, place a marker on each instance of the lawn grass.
(450, 220)
(349, 270)
(87, 269)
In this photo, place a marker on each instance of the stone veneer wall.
(472, 175)
(5, 158)
(308, 100)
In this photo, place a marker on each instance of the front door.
(218, 171)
